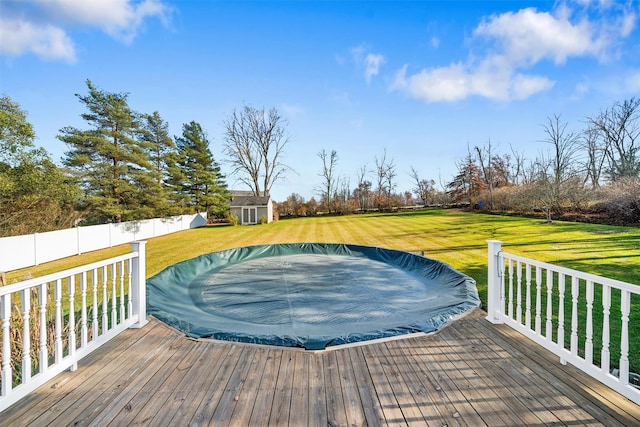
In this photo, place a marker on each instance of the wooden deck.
(470, 373)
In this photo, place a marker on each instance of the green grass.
(457, 238)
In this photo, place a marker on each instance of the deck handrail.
(42, 338)
(532, 297)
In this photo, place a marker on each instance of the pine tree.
(154, 137)
(111, 164)
(155, 133)
(195, 176)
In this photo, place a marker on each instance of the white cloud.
(372, 65)
(364, 58)
(437, 84)
(41, 26)
(48, 42)
(523, 86)
(529, 36)
(457, 82)
(628, 24)
(434, 42)
(515, 43)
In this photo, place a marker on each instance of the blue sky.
(422, 79)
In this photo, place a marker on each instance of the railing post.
(5, 315)
(138, 283)
(494, 283)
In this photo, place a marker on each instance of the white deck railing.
(556, 306)
(51, 322)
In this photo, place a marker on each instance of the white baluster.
(26, 335)
(44, 354)
(561, 289)
(503, 286)
(549, 325)
(7, 375)
(510, 289)
(94, 307)
(606, 312)
(528, 302)
(57, 296)
(83, 319)
(105, 296)
(588, 345)
(114, 297)
(519, 293)
(538, 299)
(625, 306)
(122, 314)
(574, 315)
(72, 321)
(129, 300)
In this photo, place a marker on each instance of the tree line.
(592, 174)
(123, 165)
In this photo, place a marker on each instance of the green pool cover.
(309, 295)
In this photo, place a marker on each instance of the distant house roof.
(250, 201)
(240, 193)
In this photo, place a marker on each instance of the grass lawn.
(455, 237)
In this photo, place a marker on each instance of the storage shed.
(250, 208)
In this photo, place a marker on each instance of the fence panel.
(145, 229)
(94, 237)
(55, 245)
(167, 225)
(17, 252)
(25, 251)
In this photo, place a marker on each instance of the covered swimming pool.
(309, 295)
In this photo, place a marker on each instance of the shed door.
(249, 215)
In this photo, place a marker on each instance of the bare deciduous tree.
(254, 142)
(556, 168)
(385, 173)
(595, 157)
(329, 162)
(485, 157)
(424, 188)
(619, 129)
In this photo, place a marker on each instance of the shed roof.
(250, 201)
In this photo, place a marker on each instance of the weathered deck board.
(266, 390)
(433, 409)
(336, 411)
(470, 373)
(575, 392)
(317, 393)
(368, 396)
(284, 388)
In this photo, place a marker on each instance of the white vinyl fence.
(33, 249)
(570, 313)
(49, 323)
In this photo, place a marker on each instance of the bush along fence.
(33, 249)
(582, 318)
(51, 322)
